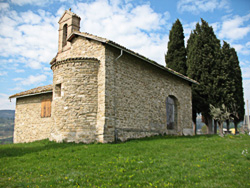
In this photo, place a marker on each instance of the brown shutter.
(42, 109)
(46, 108)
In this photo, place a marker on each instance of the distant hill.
(7, 118)
(7, 114)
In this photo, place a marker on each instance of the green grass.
(200, 161)
(8, 140)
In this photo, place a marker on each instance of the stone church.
(102, 92)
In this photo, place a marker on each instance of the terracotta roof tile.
(34, 91)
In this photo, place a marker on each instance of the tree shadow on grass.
(17, 150)
(164, 137)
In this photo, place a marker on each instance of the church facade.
(101, 92)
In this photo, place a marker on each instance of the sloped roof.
(34, 91)
(49, 88)
(70, 13)
(116, 45)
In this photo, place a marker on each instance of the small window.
(171, 112)
(58, 90)
(46, 108)
(65, 33)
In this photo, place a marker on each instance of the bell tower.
(68, 23)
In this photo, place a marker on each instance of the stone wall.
(136, 95)
(29, 126)
(82, 47)
(75, 106)
(94, 96)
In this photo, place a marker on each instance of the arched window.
(171, 108)
(64, 41)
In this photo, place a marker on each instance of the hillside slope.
(162, 161)
(7, 114)
(6, 126)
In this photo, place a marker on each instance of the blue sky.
(29, 33)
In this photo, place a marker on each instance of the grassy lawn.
(200, 161)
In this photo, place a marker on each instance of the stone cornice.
(73, 60)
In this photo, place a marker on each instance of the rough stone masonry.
(102, 91)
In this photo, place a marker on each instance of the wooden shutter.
(43, 109)
(46, 108)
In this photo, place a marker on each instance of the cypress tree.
(203, 60)
(192, 45)
(227, 84)
(238, 106)
(176, 54)
(231, 84)
(226, 71)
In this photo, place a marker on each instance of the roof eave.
(27, 95)
(68, 12)
(155, 64)
(72, 35)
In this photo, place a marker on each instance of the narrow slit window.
(58, 90)
(65, 33)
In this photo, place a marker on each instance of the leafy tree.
(191, 46)
(204, 129)
(220, 114)
(203, 62)
(231, 84)
(228, 84)
(225, 83)
(237, 108)
(176, 54)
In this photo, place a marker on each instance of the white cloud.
(5, 103)
(216, 26)
(30, 18)
(34, 64)
(34, 80)
(17, 79)
(31, 2)
(241, 49)
(3, 73)
(246, 72)
(18, 88)
(19, 70)
(246, 85)
(197, 6)
(244, 63)
(233, 29)
(4, 6)
(131, 26)
(28, 37)
(31, 80)
(187, 30)
(60, 11)
(46, 69)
